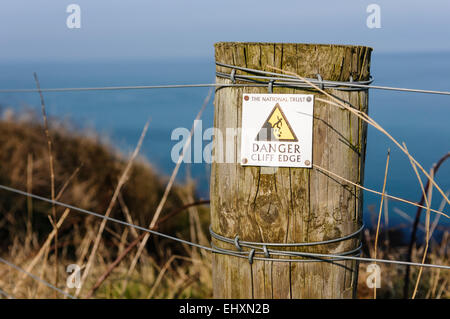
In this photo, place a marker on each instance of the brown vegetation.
(86, 173)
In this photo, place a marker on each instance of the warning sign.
(277, 130)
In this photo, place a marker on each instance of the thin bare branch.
(52, 171)
(427, 235)
(379, 216)
(168, 186)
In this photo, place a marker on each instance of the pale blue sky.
(36, 29)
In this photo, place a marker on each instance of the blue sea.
(422, 121)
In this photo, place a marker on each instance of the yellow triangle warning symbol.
(276, 128)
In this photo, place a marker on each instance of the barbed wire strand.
(302, 254)
(36, 277)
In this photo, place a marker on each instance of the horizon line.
(167, 58)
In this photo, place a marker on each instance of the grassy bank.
(86, 172)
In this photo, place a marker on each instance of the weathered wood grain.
(292, 204)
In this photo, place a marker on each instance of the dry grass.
(335, 102)
(434, 283)
(86, 174)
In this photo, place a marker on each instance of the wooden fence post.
(292, 204)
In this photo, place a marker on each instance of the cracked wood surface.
(292, 204)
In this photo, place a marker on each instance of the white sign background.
(298, 110)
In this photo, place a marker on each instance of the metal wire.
(262, 247)
(292, 81)
(214, 250)
(250, 243)
(258, 79)
(270, 252)
(141, 87)
(7, 295)
(287, 83)
(285, 80)
(36, 278)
